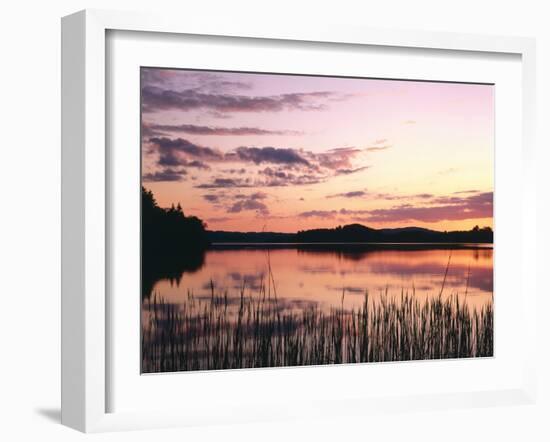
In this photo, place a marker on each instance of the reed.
(256, 330)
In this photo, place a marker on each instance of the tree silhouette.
(171, 242)
(169, 231)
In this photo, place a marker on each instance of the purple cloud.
(273, 155)
(377, 148)
(465, 191)
(249, 204)
(293, 180)
(380, 196)
(449, 209)
(197, 164)
(350, 171)
(318, 214)
(279, 177)
(221, 183)
(253, 196)
(167, 174)
(155, 98)
(291, 166)
(330, 213)
(200, 80)
(211, 198)
(454, 208)
(352, 194)
(191, 129)
(173, 153)
(168, 146)
(277, 173)
(338, 158)
(297, 180)
(352, 212)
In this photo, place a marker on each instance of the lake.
(305, 275)
(258, 305)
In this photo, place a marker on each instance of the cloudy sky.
(252, 152)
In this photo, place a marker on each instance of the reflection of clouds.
(404, 268)
(276, 304)
(317, 269)
(245, 277)
(347, 289)
(480, 277)
(421, 287)
(238, 281)
(218, 300)
(251, 281)
(301, 278)
(408, 268)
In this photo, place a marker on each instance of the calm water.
(305, 276)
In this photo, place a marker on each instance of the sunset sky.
(253, 152)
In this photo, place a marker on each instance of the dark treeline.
(250, 237)
(171, 242)
(357, 233)
(169, 230)
(360, 233)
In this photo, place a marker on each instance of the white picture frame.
(85, 214)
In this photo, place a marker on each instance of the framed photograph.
(261, 223)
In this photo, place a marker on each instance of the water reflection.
(159, 268)
(305, 275)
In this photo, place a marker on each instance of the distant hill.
(360, 233)
(354, 233)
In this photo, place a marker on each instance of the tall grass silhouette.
(256, 329)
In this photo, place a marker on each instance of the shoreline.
(404, 246)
